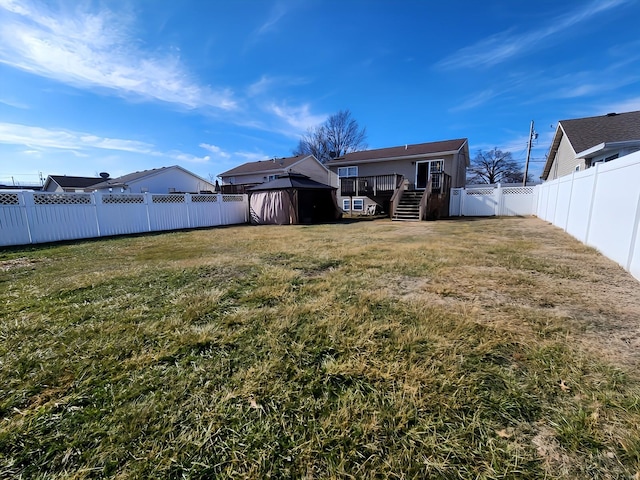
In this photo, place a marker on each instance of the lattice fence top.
(517, 190)
(232, 198)
(9, 199)
(480, 191)
(123, 198)
(204, 198)
(175, 198)
(62, 199)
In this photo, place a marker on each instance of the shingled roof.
(264, 166)
(403, 151)
(75, 182)
(584, 133)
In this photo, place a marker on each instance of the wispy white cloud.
(217, 151)
(629, 105)
(299, 117)
(79, 143)
(268, 83)
(277, 12)
(12, 103)
(475, 100)
(505, 45)
(97, 50)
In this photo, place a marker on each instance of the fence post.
(634, 235)
(94, 200)
(498, 206)
(146, 202)
(573, 179)
(187, 201)
(593, 199)
(220, 204)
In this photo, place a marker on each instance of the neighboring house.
(64, 183)
(583, 142)
(250, 174)
(174, 179)
(409, 182)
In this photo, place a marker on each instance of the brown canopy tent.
(293, 198)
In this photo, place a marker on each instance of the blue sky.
(121, 86)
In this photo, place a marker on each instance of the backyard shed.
(293, 198)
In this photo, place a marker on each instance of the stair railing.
(424, 201)
(397, 195)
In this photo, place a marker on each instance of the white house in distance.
(174, 179)
(582, 143)
(250, 174)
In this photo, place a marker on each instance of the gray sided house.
(250, 174)
(174, 179)
(409, 182)
(584, 142)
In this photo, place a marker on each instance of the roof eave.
(337, 162)
(605, 147)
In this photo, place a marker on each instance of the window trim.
(346, 204)
(357, 201)
(348, 175)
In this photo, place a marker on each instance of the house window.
(346, 204)
(358, 205)
(344, 172)
(436, 168)
(577, 169)
(271, 177)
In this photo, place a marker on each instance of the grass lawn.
(477, 348)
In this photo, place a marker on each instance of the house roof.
(585, 133)
(291, 180)
(403, 151)
(131, 177)
(264, 166)
(74, 182)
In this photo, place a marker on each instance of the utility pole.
(532, 134)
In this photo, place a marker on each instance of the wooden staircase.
(408, 208)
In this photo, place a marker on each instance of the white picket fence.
(489, 200)
(38, 217)
(600, 207)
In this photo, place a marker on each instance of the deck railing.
(369, 186)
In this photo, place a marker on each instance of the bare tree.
(338, 135)
(494, 166)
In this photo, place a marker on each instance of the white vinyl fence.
(38, 217)
(489, 200)
(599, 206)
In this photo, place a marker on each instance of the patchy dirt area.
(15, 263)
(510, 271)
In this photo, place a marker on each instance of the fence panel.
(168, 212)
(517, 200)
(603, 208)
(479, 202)
(577, 204)
(455, 202)
(121, 214)
(14, 225)
(61, 216)
(204, 210)
(614, 210)
(235, 209)
(36, 217)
